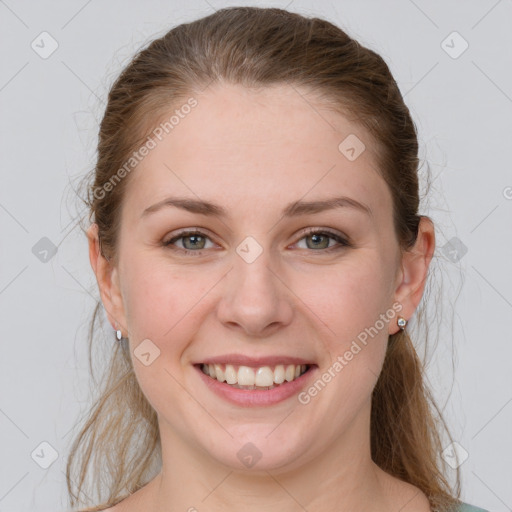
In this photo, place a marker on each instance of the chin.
(256, 448)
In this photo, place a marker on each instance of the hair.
(256, 47)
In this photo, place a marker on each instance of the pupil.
(194, 239)
(315, 239)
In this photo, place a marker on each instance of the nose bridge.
(254, 298)
(253, 270)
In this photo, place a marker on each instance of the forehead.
(258, 148)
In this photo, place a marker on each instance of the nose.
(255, 298)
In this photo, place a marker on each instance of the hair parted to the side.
(256, 47)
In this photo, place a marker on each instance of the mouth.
(255, 381)
(260, 378)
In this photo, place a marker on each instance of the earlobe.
(107, 279)
(414, 269)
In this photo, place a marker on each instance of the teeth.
(219, 373)
(289, 372)
(231, 374)
(264, 377)
(279, 374)
(245, 377)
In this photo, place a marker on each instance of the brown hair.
(257, 47)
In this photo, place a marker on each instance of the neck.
(342, 478)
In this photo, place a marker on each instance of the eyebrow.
(293, 209)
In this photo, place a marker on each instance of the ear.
(108, 282)
(413, 273)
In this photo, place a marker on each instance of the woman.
(258, 250)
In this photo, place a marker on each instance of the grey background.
(50, 108)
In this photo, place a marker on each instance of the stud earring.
(118, 333)
(402, 322)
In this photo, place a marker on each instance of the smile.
(259, 378)
(258, 385)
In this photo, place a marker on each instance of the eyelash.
(312, 231)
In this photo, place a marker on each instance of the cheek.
(348, 298)
(353, 306)
(159, 308)
(358, 315)
(158, 297)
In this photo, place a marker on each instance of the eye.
(321, 239)
(193, 242)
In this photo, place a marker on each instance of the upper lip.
(243, 360)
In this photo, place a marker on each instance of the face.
(262, 286)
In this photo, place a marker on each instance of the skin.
(254, 152)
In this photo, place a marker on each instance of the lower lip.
(254, 398)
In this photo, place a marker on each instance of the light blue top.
(466, 507)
